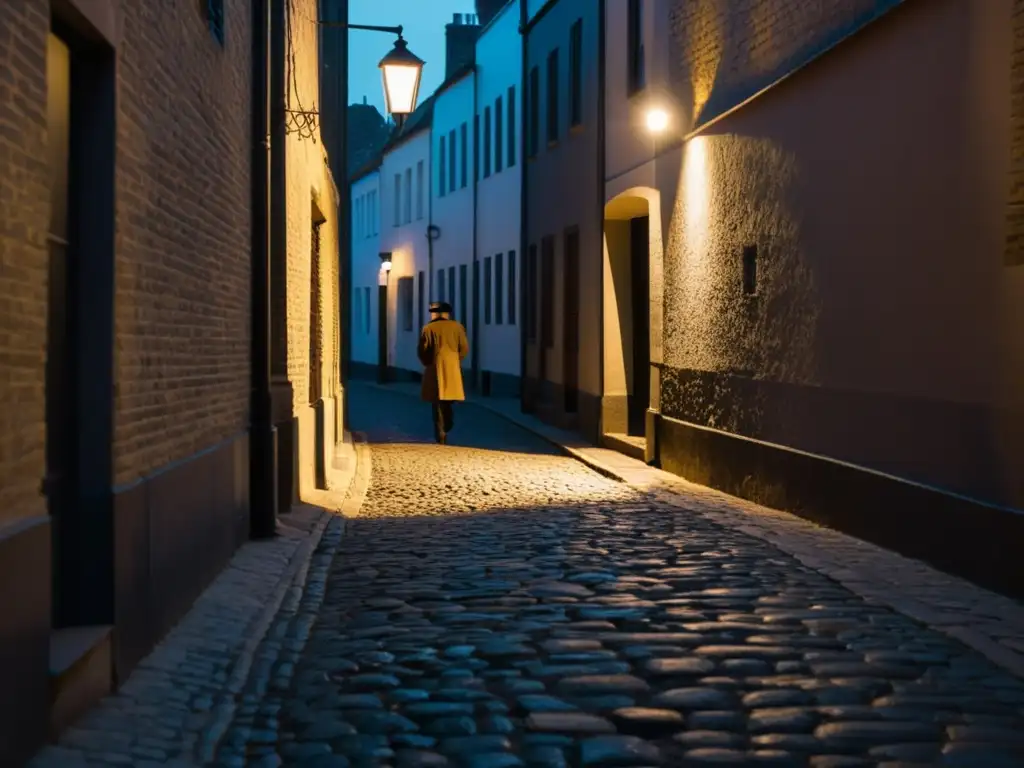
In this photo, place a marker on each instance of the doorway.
(639, 267)
(571, 321)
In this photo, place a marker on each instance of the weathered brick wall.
(1015, 205)
(309, 180)
(724, 52)
(183, 224)
(24, 218)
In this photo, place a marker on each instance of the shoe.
(442, 440)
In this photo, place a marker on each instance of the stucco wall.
(499, 67)
(365, 268)
(407, 241)
(873, 184)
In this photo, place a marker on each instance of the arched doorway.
(632, 320)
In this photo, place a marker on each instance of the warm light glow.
(400, 71)
(657, 120)
(385, 266)
(696, 195)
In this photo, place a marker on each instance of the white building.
(404, 221)
(451, 258)
(365, 252)
(499, 116)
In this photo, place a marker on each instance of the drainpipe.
(524, 258)
(345, 216)
(262, 440)
(601, 173)
(475, 276)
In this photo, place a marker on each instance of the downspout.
(262, 448)
(345, 211)
(601, 172)
(430, 213)
(475, 276)
(524, 258)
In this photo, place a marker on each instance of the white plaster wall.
(366, 221)
(407, 241)
(499, 66)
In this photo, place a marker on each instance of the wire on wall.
(305, 123)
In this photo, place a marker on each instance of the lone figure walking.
(443, 346)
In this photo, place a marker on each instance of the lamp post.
(382, 317)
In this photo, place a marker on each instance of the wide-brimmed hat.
(440, 306)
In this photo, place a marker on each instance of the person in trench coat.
(442, 348)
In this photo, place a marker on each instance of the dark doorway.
(571, 321)
(547, 312)
(639, 264)
(382, 331)
(316, 354)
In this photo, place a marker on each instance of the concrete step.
(630, 445)
(81, 672)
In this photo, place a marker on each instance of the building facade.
(365, 250)
(126, 396)
(498, 223)
(563, 184)
(823, 234)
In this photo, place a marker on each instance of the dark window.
(452, 161)
(499, 144)
(405, 302)
(441, 165)
(553, 96)
(487, 142)
(511, 101)
(576, 73)
(547, 292)
(451, 289)
(511, 287)
(487, 291)
(463, 289)
(419, 298)
(530, 296)
(476, 146)
(750, 269)
(215, 18)
(440, 285)
(534, 142)
(635, 75)
(499, 287)
(465, 154)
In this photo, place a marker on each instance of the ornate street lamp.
(400, 71)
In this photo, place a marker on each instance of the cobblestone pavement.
(496, 604)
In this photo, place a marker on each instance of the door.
(571, 321)
(547, 311)
(639, 261)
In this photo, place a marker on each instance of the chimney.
(487, 10)
(460, 42)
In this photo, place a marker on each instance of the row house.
(138, 391)
(436, 216)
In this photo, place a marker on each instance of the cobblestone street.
(495, 603)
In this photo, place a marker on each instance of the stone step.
(629, 445)
(81, 672)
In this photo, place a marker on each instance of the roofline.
(370, 167)
(498, 15)
(457, 76)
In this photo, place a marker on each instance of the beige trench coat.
(442, 348)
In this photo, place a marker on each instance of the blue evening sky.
(424, 22)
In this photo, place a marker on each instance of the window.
(750, 270)
(576, 73)
(398, 199)
(534, 111)
(405, 302)
(419, 297)
(487, 291)
(635, 75)
(499, 147)
(355, 217)
(511, 101)
(463, 289)
(451, 288)
(215, 18)
(547, 292)
(487, 142)
(499, 287)
(476, 147)
(419, 193)
(552, 96)
(357, 309)
(452, 160)
(531, 293)
(465, 154)
(366, 307)
(440, 285)
(441, 165)
(511, 287)
(375, 217)
(408, 195)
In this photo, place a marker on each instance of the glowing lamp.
(657, 120)
(401, 70)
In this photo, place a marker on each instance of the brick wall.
(24, 215)
(183, 268)
(725, 52)
(1015, 206)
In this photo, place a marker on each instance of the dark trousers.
(444, 418)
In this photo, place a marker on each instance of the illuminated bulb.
(385, 266)
(657, 120)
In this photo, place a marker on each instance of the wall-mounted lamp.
(385, 261)
(656, 120)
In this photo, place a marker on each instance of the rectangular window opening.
(441, 165)
(440, 285)
(576, 74)
(530, 293)
(534, 137)
(464, 152)
(398, 199)
(453, 161)
(487, 142)
(463, 292)
(750, 270)
(552, 105)
(487, 290)
(499, 287)
(635, 76)
(451, 289)
(419, 297)
(215, 18)
(408, 195)
(499, 133)
(511, 287)
(419, 191)
(511, 109)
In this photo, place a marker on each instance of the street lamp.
(400, 71)
(657, 120)
(382, 316)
